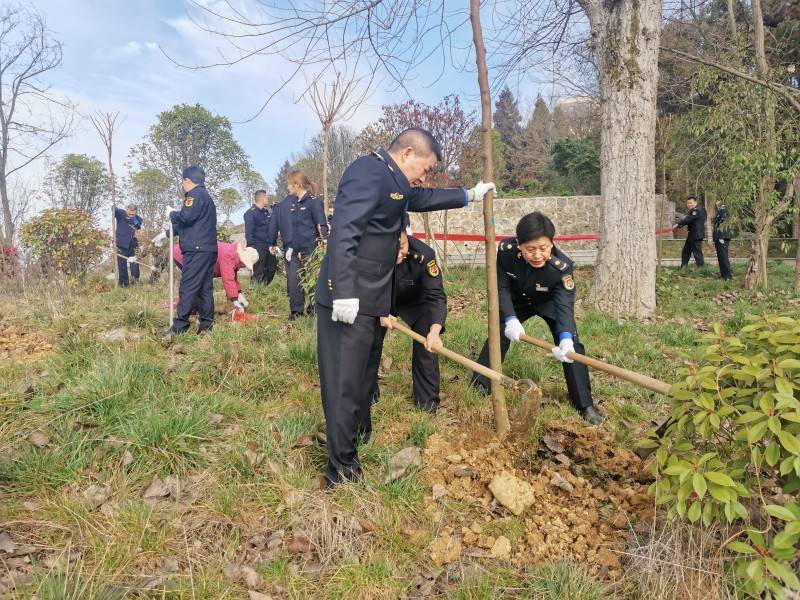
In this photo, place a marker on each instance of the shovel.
(531, 393)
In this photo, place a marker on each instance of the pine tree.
(507, 118)
(529, 165)
(280, 181)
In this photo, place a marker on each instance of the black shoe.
(293, 316)
(591, 416)
(429, 407)
(480, 387)
(311, 311)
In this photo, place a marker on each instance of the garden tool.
(171, 268)
(144, 264)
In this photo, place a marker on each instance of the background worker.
(695, 223)
(256, 232)
(127, 223)
(354, 289)
(534, 278)
(300, 220)
(722, 241)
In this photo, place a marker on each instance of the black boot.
(591, 416)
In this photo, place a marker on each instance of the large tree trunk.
(797, 236)
(757, 264)
(625, 36)
(495, 360)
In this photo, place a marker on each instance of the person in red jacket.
(230, 258)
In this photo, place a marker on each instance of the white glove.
(161, 239)
(514, 329)
(243, 301)
(560, 351)
(479, 191)
(289, 253)
(345, 310)
(131, 260)
(238, 305)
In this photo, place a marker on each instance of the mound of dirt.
(21, 344)
(576, 493)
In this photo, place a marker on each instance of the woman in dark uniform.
(535, 279)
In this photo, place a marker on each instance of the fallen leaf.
(215, 418)
(156, 489)
(303, 441)
(96, 494)
(39, 438)
(127, 458)
(258, 596)
(7, 545)
(557, 480)
(300, 545)
(552, 444)
(32, 505)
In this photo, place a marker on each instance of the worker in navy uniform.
(354, 290)
(535, 278)
(127, 222)
(256, 232)
(421, 302)
(300, 220)
(695, 223)
(196, 225)
(722, 241)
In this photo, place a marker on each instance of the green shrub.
(732, 453)
(66, 242)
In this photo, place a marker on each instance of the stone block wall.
(572, 215)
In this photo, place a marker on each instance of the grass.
(232, 411)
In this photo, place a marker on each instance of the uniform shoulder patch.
(569, 282)
(188, 202)
(433, 268)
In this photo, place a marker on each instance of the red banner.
(472, 237)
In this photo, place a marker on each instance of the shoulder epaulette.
(508, 245)
(558, 263)
(417, 257)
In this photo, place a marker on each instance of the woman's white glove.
(289, 253)
(560, 351)
(514, 329)
(242, 300)
(345, 310)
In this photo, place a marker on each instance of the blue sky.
(112, 62)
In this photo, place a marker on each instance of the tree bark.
(731, 20)
(495, 359)
(757, 264)
(625, 37)
(326, 131)
(8, 221)
(797, 235)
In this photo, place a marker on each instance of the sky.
(114, 60)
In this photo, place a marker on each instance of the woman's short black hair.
(535, 225)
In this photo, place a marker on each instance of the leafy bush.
(732, 453)
(9, 262)
(65, 241)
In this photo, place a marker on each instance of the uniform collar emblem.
(396, 196)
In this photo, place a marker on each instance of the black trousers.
(721, 246)
(424, 364)
(576, 374)
(196, 291)
(122, 266)
(343, 354)
(265, 268)
(297, 297)
(692, 248)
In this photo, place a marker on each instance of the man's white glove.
(560, 351)
(514, 329)
(161, 239)
(345, 310)
(238, 305)
(289, 253)
(242, 300)
(479, 191)
(131, 260)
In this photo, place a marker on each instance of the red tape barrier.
(471, 237)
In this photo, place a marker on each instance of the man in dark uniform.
(354, 291)
(256, 232)
(127, 222)
(421, 302)
(535, 278)
(196, 224)
(300, 220)
(722, 240)
(695, 223)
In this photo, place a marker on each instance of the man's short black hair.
(259, 192)
(195, 174)
(692, 198)
(535, 225)
(421, 140)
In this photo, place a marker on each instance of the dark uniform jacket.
(126, 228)
(362, 249)
(196, 221)
(721, 230)
(256, 227)
(695, 222)
(418, 283)
(548, 291)
(300, 221)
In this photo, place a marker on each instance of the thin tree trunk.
(731, 20)
(495, 359)
(114, 261)
(326, 131)
(625, 37)
(8, 222)
(797, 236)
(757, 264)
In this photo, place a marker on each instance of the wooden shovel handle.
(654, 385)
(454, 356)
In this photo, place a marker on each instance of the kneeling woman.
(535, 279)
